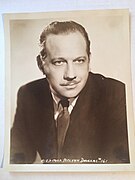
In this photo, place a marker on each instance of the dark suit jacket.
(97, 129)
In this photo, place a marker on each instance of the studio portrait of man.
(71, 114)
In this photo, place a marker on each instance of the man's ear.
(40, 64)
(89, 62)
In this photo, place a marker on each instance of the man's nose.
(69, 72)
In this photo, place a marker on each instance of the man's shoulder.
(35, 86)
(103, 80)
(37, 82)
(106, 85)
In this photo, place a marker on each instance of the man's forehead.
(64, 35)
(68, 46)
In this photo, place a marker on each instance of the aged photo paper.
(109, 34)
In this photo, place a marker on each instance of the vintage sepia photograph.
(68, 91)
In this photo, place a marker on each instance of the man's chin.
(70, 95)
(67, 93)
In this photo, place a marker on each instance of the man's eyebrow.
(80, 57)
(58, 58)
(64, 59)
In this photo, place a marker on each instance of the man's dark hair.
(56, 28)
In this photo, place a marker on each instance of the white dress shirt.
(58, 108)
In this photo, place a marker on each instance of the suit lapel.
(47, 144)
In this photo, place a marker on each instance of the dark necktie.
(62, 125)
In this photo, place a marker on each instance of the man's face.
(67, 64)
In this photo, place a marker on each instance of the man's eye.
(79, 61)
(58, 63)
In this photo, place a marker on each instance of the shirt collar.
(72, 102)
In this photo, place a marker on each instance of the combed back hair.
(63, 27)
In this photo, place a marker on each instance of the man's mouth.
(70, 85)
